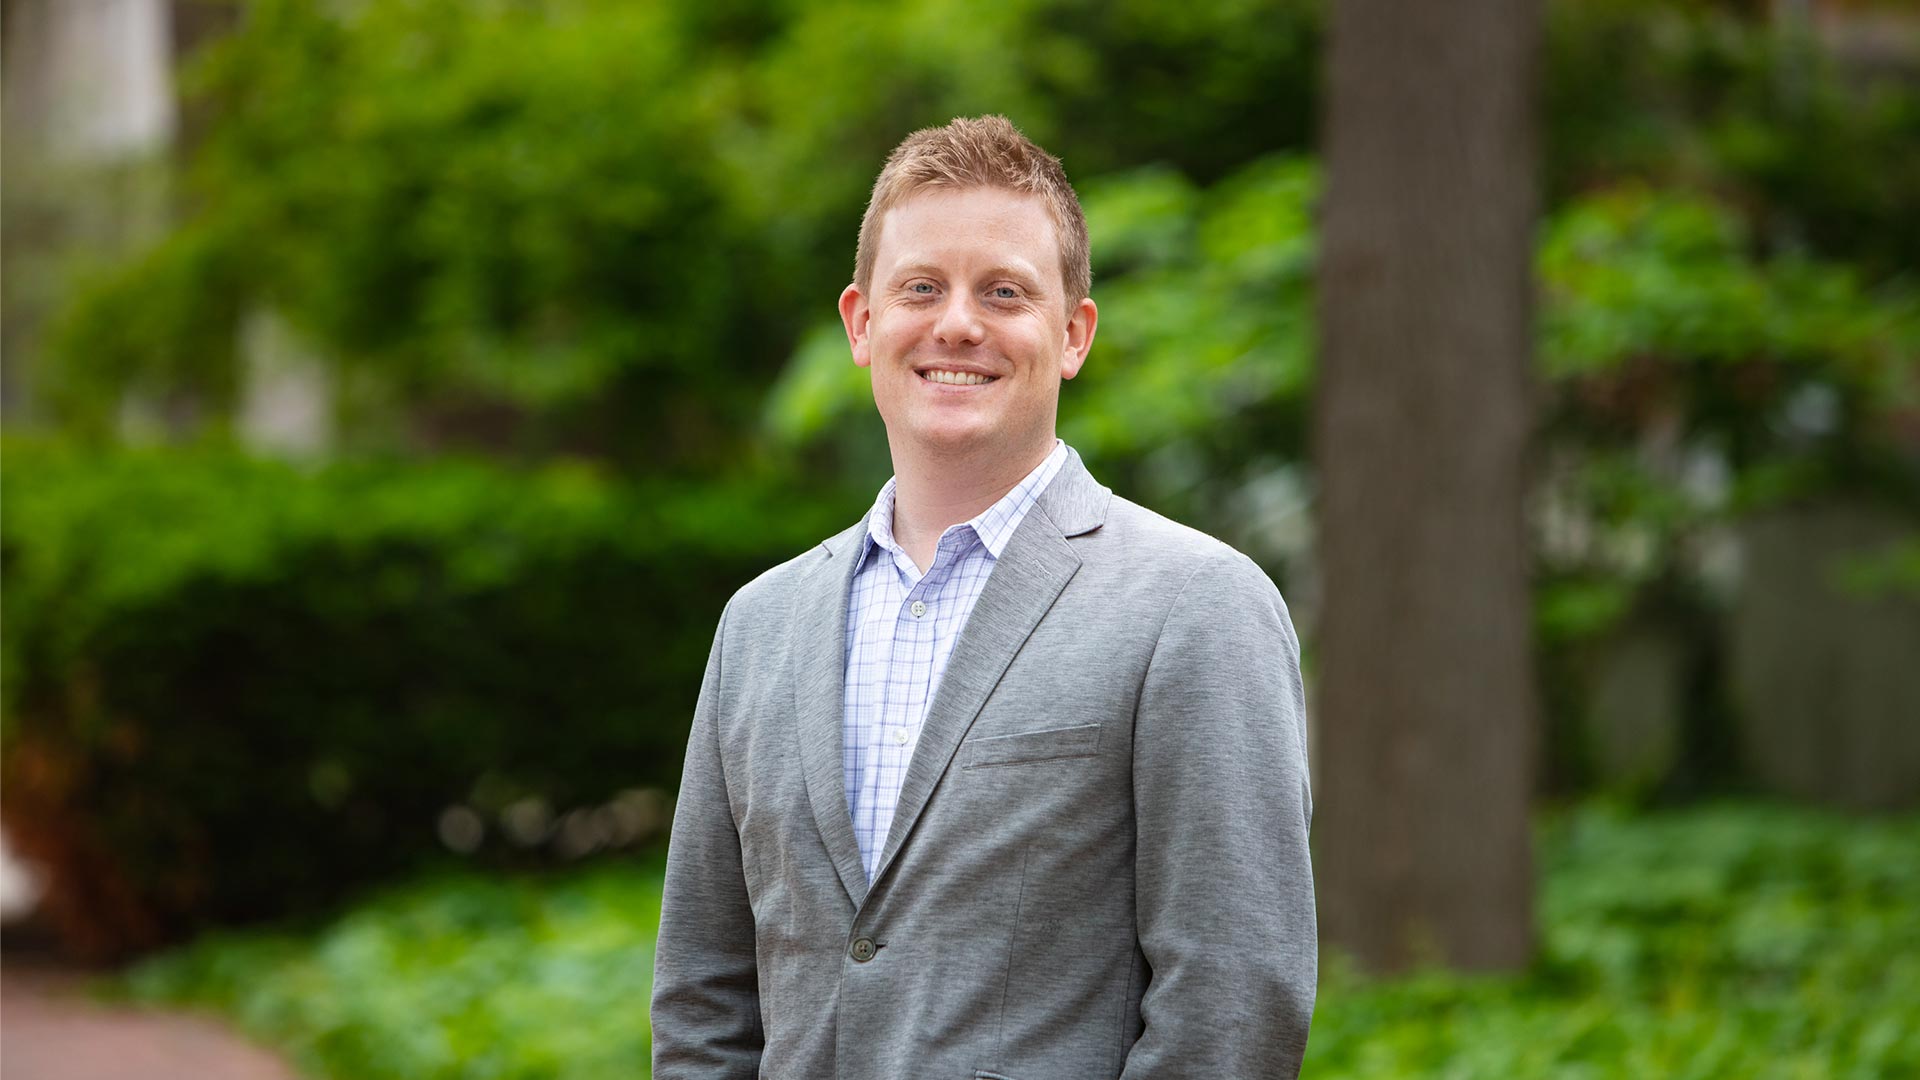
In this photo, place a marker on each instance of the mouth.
(954, 377)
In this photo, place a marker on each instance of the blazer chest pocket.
(1022, 747)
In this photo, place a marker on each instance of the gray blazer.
(1098, 864)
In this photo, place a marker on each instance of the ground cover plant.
(1727, 940)
(450, 976)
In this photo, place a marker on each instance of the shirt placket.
(885, 760)
(874, 813)
(909, 676)
(942, 589)
(913, 625)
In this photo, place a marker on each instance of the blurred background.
(394, 392)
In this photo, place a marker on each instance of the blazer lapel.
(1032, 570)
(819, 657)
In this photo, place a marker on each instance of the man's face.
(966, 326)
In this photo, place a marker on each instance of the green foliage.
(1695, 380)
(1631, 274)
(1200, 88)
(619, 219)
(250, 685)
(1206, 308)
(506, 979)
(1724, 941)
(1822, 156)
(1730, 940)
(613, 216)
(1894, 570)
(1575, 608)
(1834, 167)
(164, 323)
(820, 389)
(511, 201)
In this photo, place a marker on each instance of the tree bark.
(1422, 429)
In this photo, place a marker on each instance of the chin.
(956, 438)
(958, 443)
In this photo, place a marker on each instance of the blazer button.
(863, 950)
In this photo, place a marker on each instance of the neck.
(931, 494)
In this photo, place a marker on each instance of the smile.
(957, 378)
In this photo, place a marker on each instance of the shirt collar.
(994, 526)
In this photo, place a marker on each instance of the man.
(1009, 779)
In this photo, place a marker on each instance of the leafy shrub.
(1815, 138)
(1695, 380)
(510, 202)
(1731, 940)
(235, 687)
(458, 976)
(1723, 941)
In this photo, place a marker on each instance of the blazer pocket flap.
(1078, 741)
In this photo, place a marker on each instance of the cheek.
(893, 336)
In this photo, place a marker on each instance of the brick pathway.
(49, 1031)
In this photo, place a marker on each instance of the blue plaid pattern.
(901, 627)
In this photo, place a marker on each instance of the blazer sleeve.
(706, 998)
(1224, 883)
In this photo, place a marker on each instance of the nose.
(959, 322)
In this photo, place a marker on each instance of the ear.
(853, 315)
(1079, 337)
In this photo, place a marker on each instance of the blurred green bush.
(1731, 940)
(237, 687)
(1726, 940)
(458, 975)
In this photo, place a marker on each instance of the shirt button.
(919, 608)
(862, 951)
(900, 736)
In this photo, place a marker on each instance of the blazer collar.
(818, 648)
(1029, 575)
(1075, 502)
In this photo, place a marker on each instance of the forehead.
(944, 227)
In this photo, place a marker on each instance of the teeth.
(956, 378)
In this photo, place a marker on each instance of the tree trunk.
(1422, 427)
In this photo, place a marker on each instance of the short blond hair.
(989, 152)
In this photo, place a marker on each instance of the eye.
(1006, 292)
(921, 288)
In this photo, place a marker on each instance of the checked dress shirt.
(901, 628)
